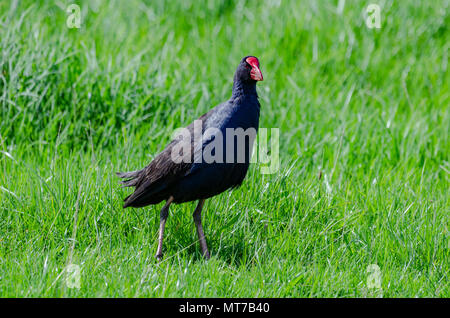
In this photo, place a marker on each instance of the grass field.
(365, 109)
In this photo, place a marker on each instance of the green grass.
(368, 109)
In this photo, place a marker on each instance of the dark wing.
(154, 182)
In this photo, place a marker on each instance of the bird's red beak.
(255, 73)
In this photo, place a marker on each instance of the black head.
(248, 70)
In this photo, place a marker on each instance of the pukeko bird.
(178, 181)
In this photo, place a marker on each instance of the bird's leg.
(162, 223)
(198, 224)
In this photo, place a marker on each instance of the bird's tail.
(130, 179)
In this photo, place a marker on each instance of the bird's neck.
(241, 88)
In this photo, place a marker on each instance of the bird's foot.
(159, 257)
(206, 255)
